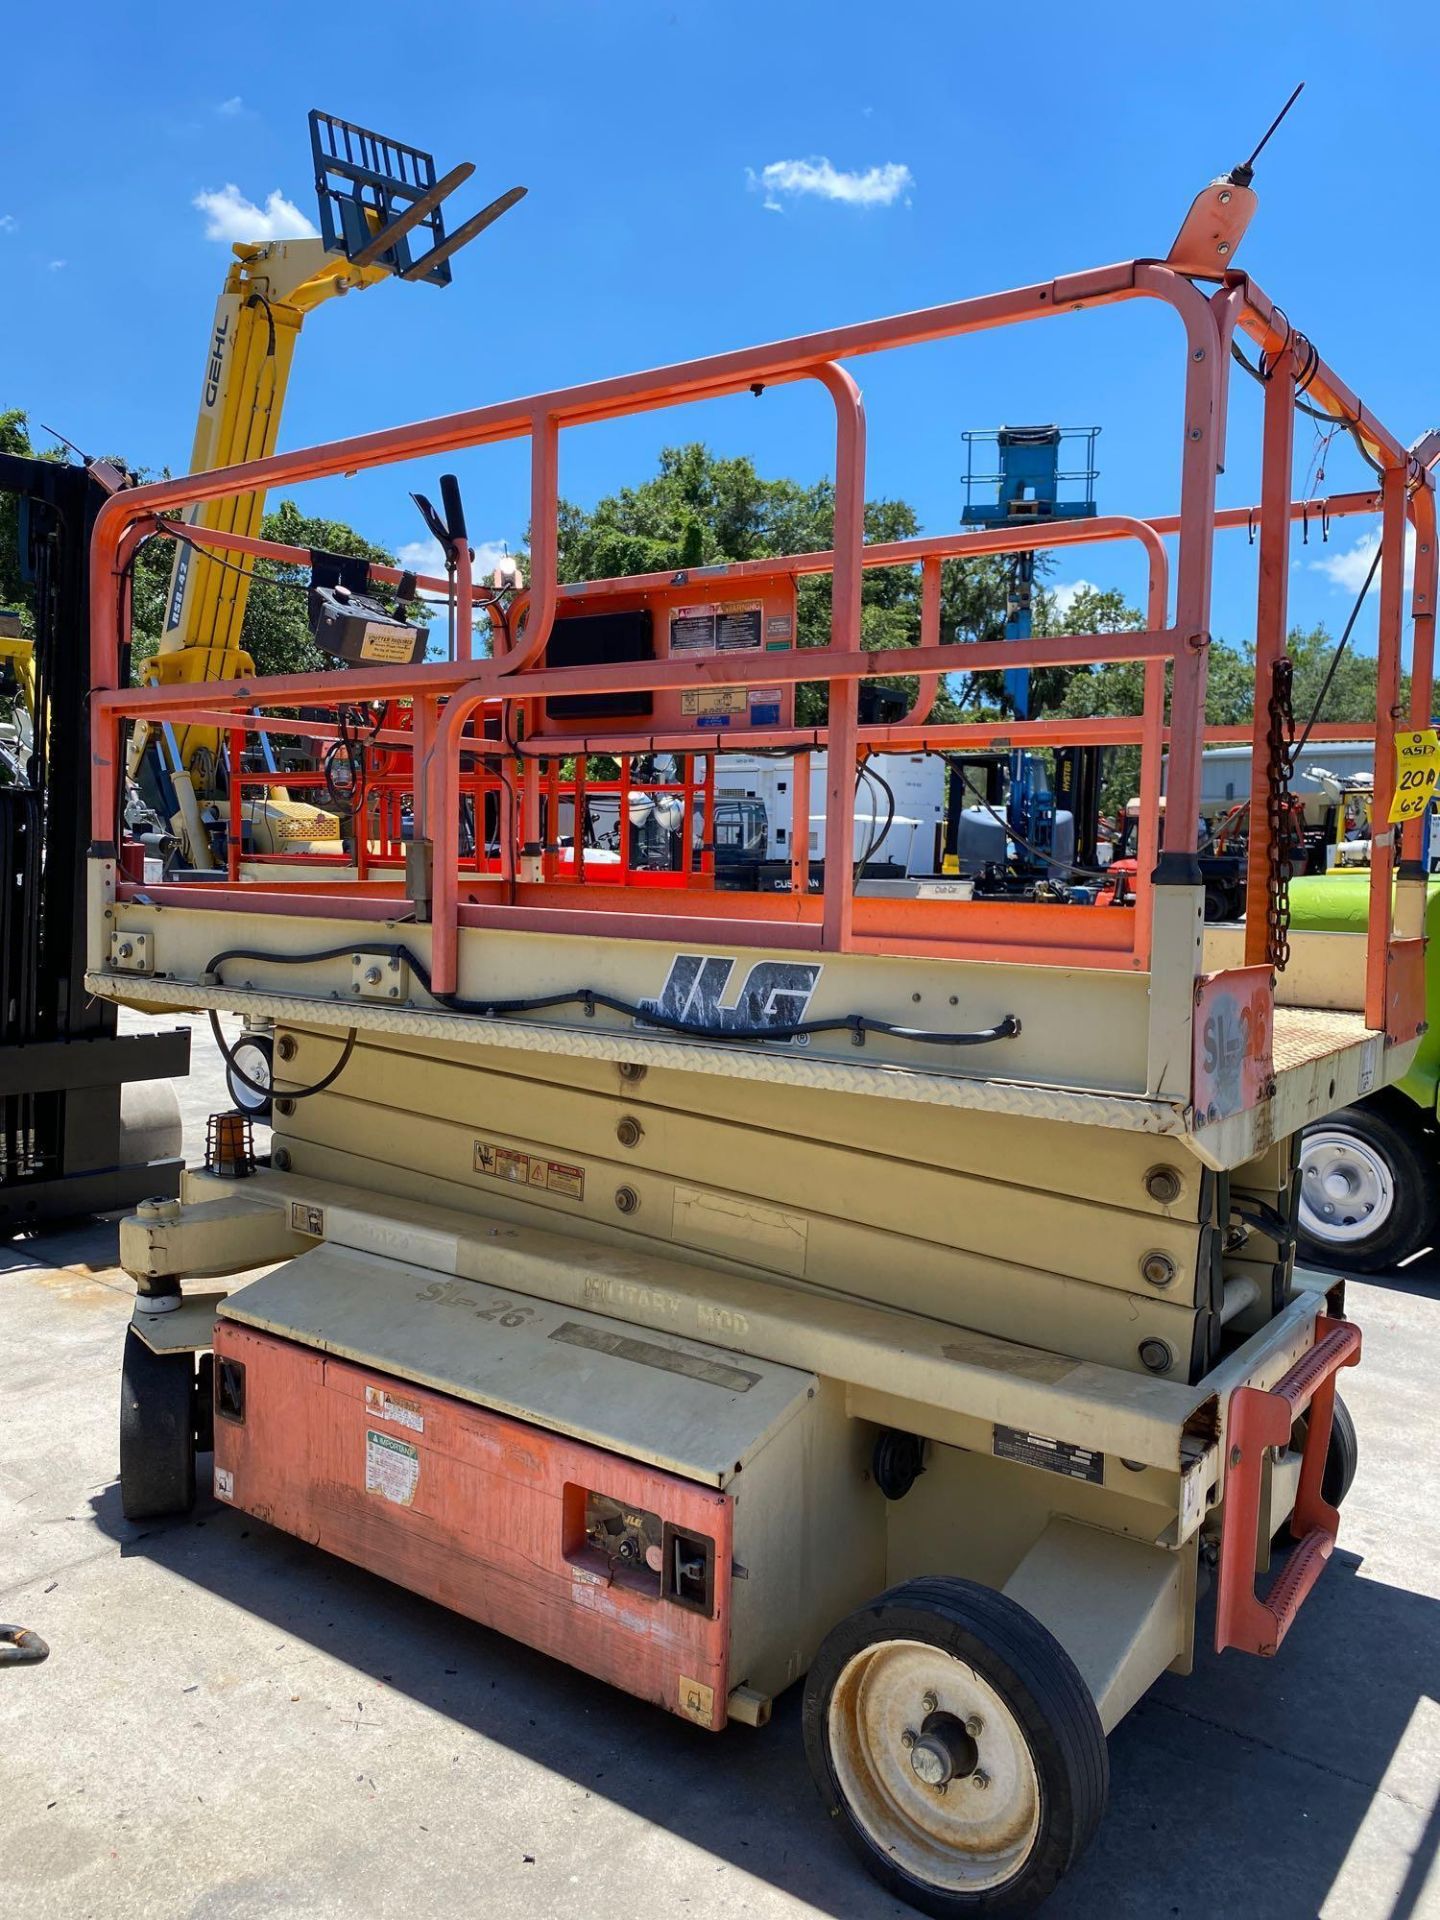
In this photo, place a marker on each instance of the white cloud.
(56, 265)
(8, 223)
(428, 556)
(231, 108)
(876, 187)
(230, 216)
(1347, 568)
(1066, 592)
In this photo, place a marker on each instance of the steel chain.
(1280, 741)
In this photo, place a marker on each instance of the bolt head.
(930, 1703)
(980, 1780)
(907, 1738)
(1224, 247)
(1158, 1269)
(974, 1726)
(1225, 198)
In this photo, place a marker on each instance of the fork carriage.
(717, 1289)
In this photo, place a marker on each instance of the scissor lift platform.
(716, 1289)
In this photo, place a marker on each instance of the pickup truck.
(1370, 1174)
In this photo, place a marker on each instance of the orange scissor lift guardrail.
(444, 696)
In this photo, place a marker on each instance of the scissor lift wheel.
(954, 1739)
(159, 1411)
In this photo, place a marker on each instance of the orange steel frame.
(447, 696)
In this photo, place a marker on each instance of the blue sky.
(917, 154)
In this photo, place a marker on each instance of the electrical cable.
(866, 772)
(1352, 427)
(856, 1024)
(1340, 646)
(301, 1093)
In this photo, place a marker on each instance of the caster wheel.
(954, 1740)
(254, 1055)
(1342, 1456)
(157, 1431)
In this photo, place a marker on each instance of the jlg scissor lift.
(715, 1289)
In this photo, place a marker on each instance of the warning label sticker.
(1056, 1456)
(394, 1406)
(392, 1468)
(706, 703)
(307, 1219)
(529, 1169)
(720, 627)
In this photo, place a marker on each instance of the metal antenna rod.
(1248, 166)
(82, 455)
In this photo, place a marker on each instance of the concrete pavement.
(232, 1724)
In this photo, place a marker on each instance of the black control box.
(351, 626)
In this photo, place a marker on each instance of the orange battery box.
(621, 1569)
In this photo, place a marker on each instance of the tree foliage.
(15, 591)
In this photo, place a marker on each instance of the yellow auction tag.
(1417, 773)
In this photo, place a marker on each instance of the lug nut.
(907, 1739)
(974, 1726)
(980, 1780)
(930, 1703)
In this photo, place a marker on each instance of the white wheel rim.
(1347, 1189)
(254, 1062)
(967, 1838)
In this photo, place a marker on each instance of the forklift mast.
(80, 1130)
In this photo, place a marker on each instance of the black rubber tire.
(1026, 1664)
(245, 1098)
(1409, 1154)
(1342, 1456)
(157, 1431)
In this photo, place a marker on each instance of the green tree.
(15, 591)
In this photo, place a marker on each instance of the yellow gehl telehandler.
(381, 217)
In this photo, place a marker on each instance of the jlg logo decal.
(776, 993)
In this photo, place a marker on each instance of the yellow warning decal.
(1417, 773)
